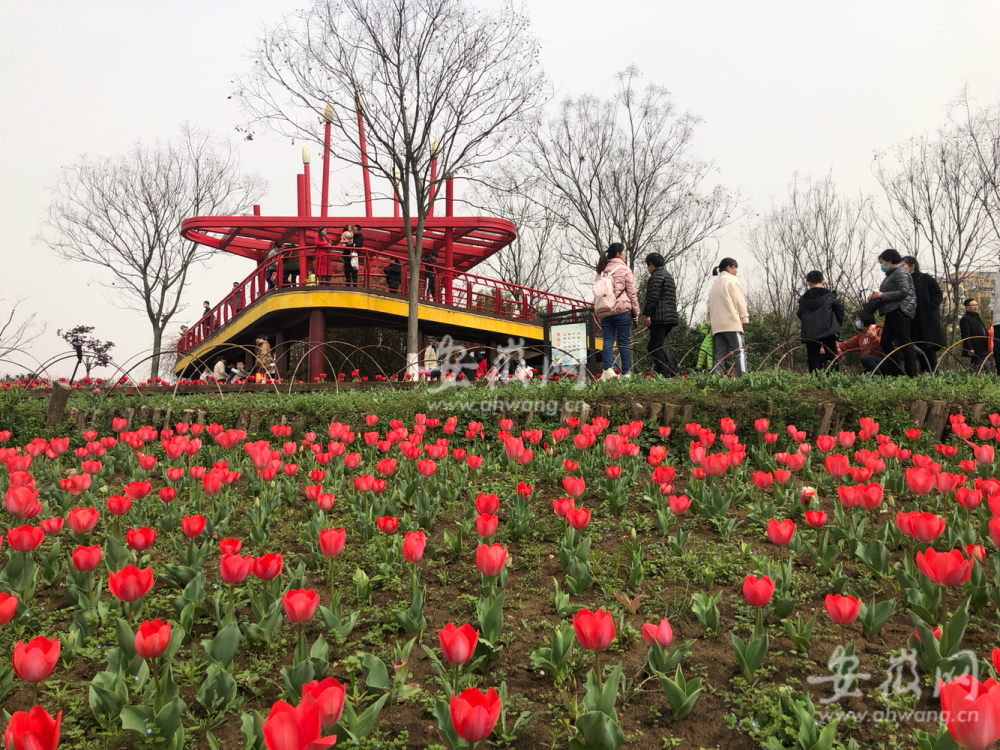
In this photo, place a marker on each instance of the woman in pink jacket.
(617, 323)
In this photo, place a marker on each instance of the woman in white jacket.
(727, 314)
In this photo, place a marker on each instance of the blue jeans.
(616, 327)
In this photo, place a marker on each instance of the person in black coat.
(821, 313)
(660, 314)
(975, 337)
(926, 330)
(393, 274)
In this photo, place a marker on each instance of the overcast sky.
(781, 86)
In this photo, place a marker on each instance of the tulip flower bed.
(431, 582)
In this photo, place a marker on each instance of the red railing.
(328, 266)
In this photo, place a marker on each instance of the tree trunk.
(154, 363)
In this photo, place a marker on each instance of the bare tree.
(620, 170)
(980, 128)
(16, 332)
(532, 259)
(430, 78)
(816, 228)
(935, 192)
(123, 214)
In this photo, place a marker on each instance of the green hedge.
(782, 397)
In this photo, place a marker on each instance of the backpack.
(604, 295)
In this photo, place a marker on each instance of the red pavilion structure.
(285, 300)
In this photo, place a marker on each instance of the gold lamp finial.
(357, 101)
(305, 155)
(328, 113)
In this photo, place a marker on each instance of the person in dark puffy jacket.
(926, 330)
(897, 301)
(821, 313)
(660, 314)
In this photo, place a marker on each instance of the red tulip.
(825, 443)
(486, 525)
(296, 728)
(972, 709)
(763, 479)
(458, 644)
(152, 638)
(474, 714)
(780, 532)
(86, 559)
(661, 634)
(562, 504)
(130, 583)
(331, 541)
(138, 490)
(976, 551)
(34, 730)
(140, 539)
(25, 538)
(925, 527)
(781, 476)
(211, 482)
(413, 546)
(994, 529)
(594, 630)
(267, 567)
(836, 464)
(815, 518)
(234, 568)
(678, 504)
(715, 464)
(300, 604)
(328, 694)
(984, 454)
(34, 661)
(230, 546)
(758, 591)
(920, 481)
(843, 610)
(22, 501)
(51, 525)
(944, 568)
(388, 524)
(574, 486)
(167, 494)
(8, 607)
(491, 559)
(487, 503)
(119, 505)
(761, 425)
(578, 518)
(192, 526)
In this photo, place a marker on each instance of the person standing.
(237, 299)
(727, 314)
(926, 330)
(660, 314)
(393, 274)
(621, 312)
(324, 273)
(706, 352)
(821, 313)
(430, 275)
(975, 337)
(898, 303)
(866, 343)
(264, 358)
(350, 256)
(206, 313)
(271, 272)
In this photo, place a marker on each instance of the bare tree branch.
(423, 71)
(816, 228)
(123, 215)
(620, 170)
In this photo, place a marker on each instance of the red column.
(364, 160)
(317, 339)
(449, 239)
